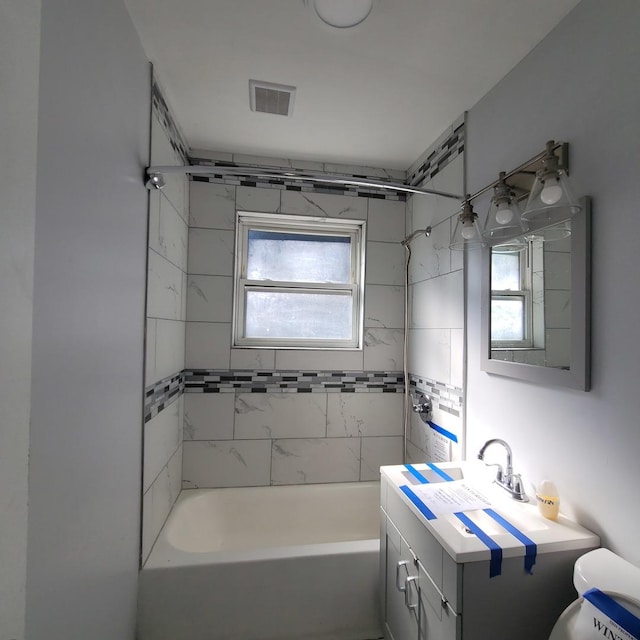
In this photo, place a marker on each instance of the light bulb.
(551, 192)
(504, 213)
(468, 231)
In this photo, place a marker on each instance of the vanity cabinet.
(427, 595)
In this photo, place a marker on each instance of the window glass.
(505, 272)
(281, 314)
(508, 318)
(297, 257)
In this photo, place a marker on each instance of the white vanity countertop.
(549, 536)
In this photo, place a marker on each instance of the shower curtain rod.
(156, 178)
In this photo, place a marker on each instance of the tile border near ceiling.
(160, 108)
(448, 147)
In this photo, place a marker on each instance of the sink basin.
(525, 521)
(455, 473)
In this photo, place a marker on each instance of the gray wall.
(19, 40)
(89, 289)
(579, 85)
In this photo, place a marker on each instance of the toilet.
(608, 572)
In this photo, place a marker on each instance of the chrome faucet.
(505, 478)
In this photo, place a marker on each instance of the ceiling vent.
(268, 97)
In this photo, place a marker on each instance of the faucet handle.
(517, 488)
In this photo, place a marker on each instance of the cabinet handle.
(401, 563)
(407, 592)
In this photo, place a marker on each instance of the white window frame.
(354, 229)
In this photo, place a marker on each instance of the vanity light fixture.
(503, 220)
(550, 200)
(342, 14)
(466, 233)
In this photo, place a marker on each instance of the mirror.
(536, 305)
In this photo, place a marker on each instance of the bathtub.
(294, 562)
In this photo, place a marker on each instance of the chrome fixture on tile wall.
(549, 202)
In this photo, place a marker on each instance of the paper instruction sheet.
(451, 497)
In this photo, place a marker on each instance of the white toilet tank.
(604, 570)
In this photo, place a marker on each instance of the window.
(298, 282)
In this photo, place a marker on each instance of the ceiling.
(377, 94)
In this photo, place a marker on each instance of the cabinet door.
(437, 620)
(401, 602)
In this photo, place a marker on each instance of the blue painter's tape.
(436, 427)
(422, 507)
(440, 472)
(531, 549)
(614, 610)
(415, 473)
(495, 564)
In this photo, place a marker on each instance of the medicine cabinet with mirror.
(535, 304)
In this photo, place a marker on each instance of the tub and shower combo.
(295, 562)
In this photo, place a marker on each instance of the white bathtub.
(295, 562)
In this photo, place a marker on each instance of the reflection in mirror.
(536, 303)
(531, 302)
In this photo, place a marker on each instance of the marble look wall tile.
(168, 232)
(162, 437)
(253, 359)
(209, 298)
(324, 205)
(170, 336)
(383, 349)
(451, 178)
(377, 452)
(208, 154)
(457, 257)
(208, 416)
(150, 353)
(558, 347)
(438, 303)
(418, 433)
(415, 455)
(280, 415)
(211, 252)
(364, 414)
(384, 306)
(239, 463)
(457, 358)
(313, 460)
(212, 206)
(257, 199)
(299, 360)
(385, 263)
(208, 345)
(431, 256)
(558, 309)
(162, 153)
(159, 499)
(393, 175)
(262, 161)
(164, 288)
(385, 220)
(184, 296)
(430, 353)
(557, 270)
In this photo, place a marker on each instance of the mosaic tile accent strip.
(285, 184)
(447, 397)
(162, 111)
(160, 395)
(438, 157)
(212, 381)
